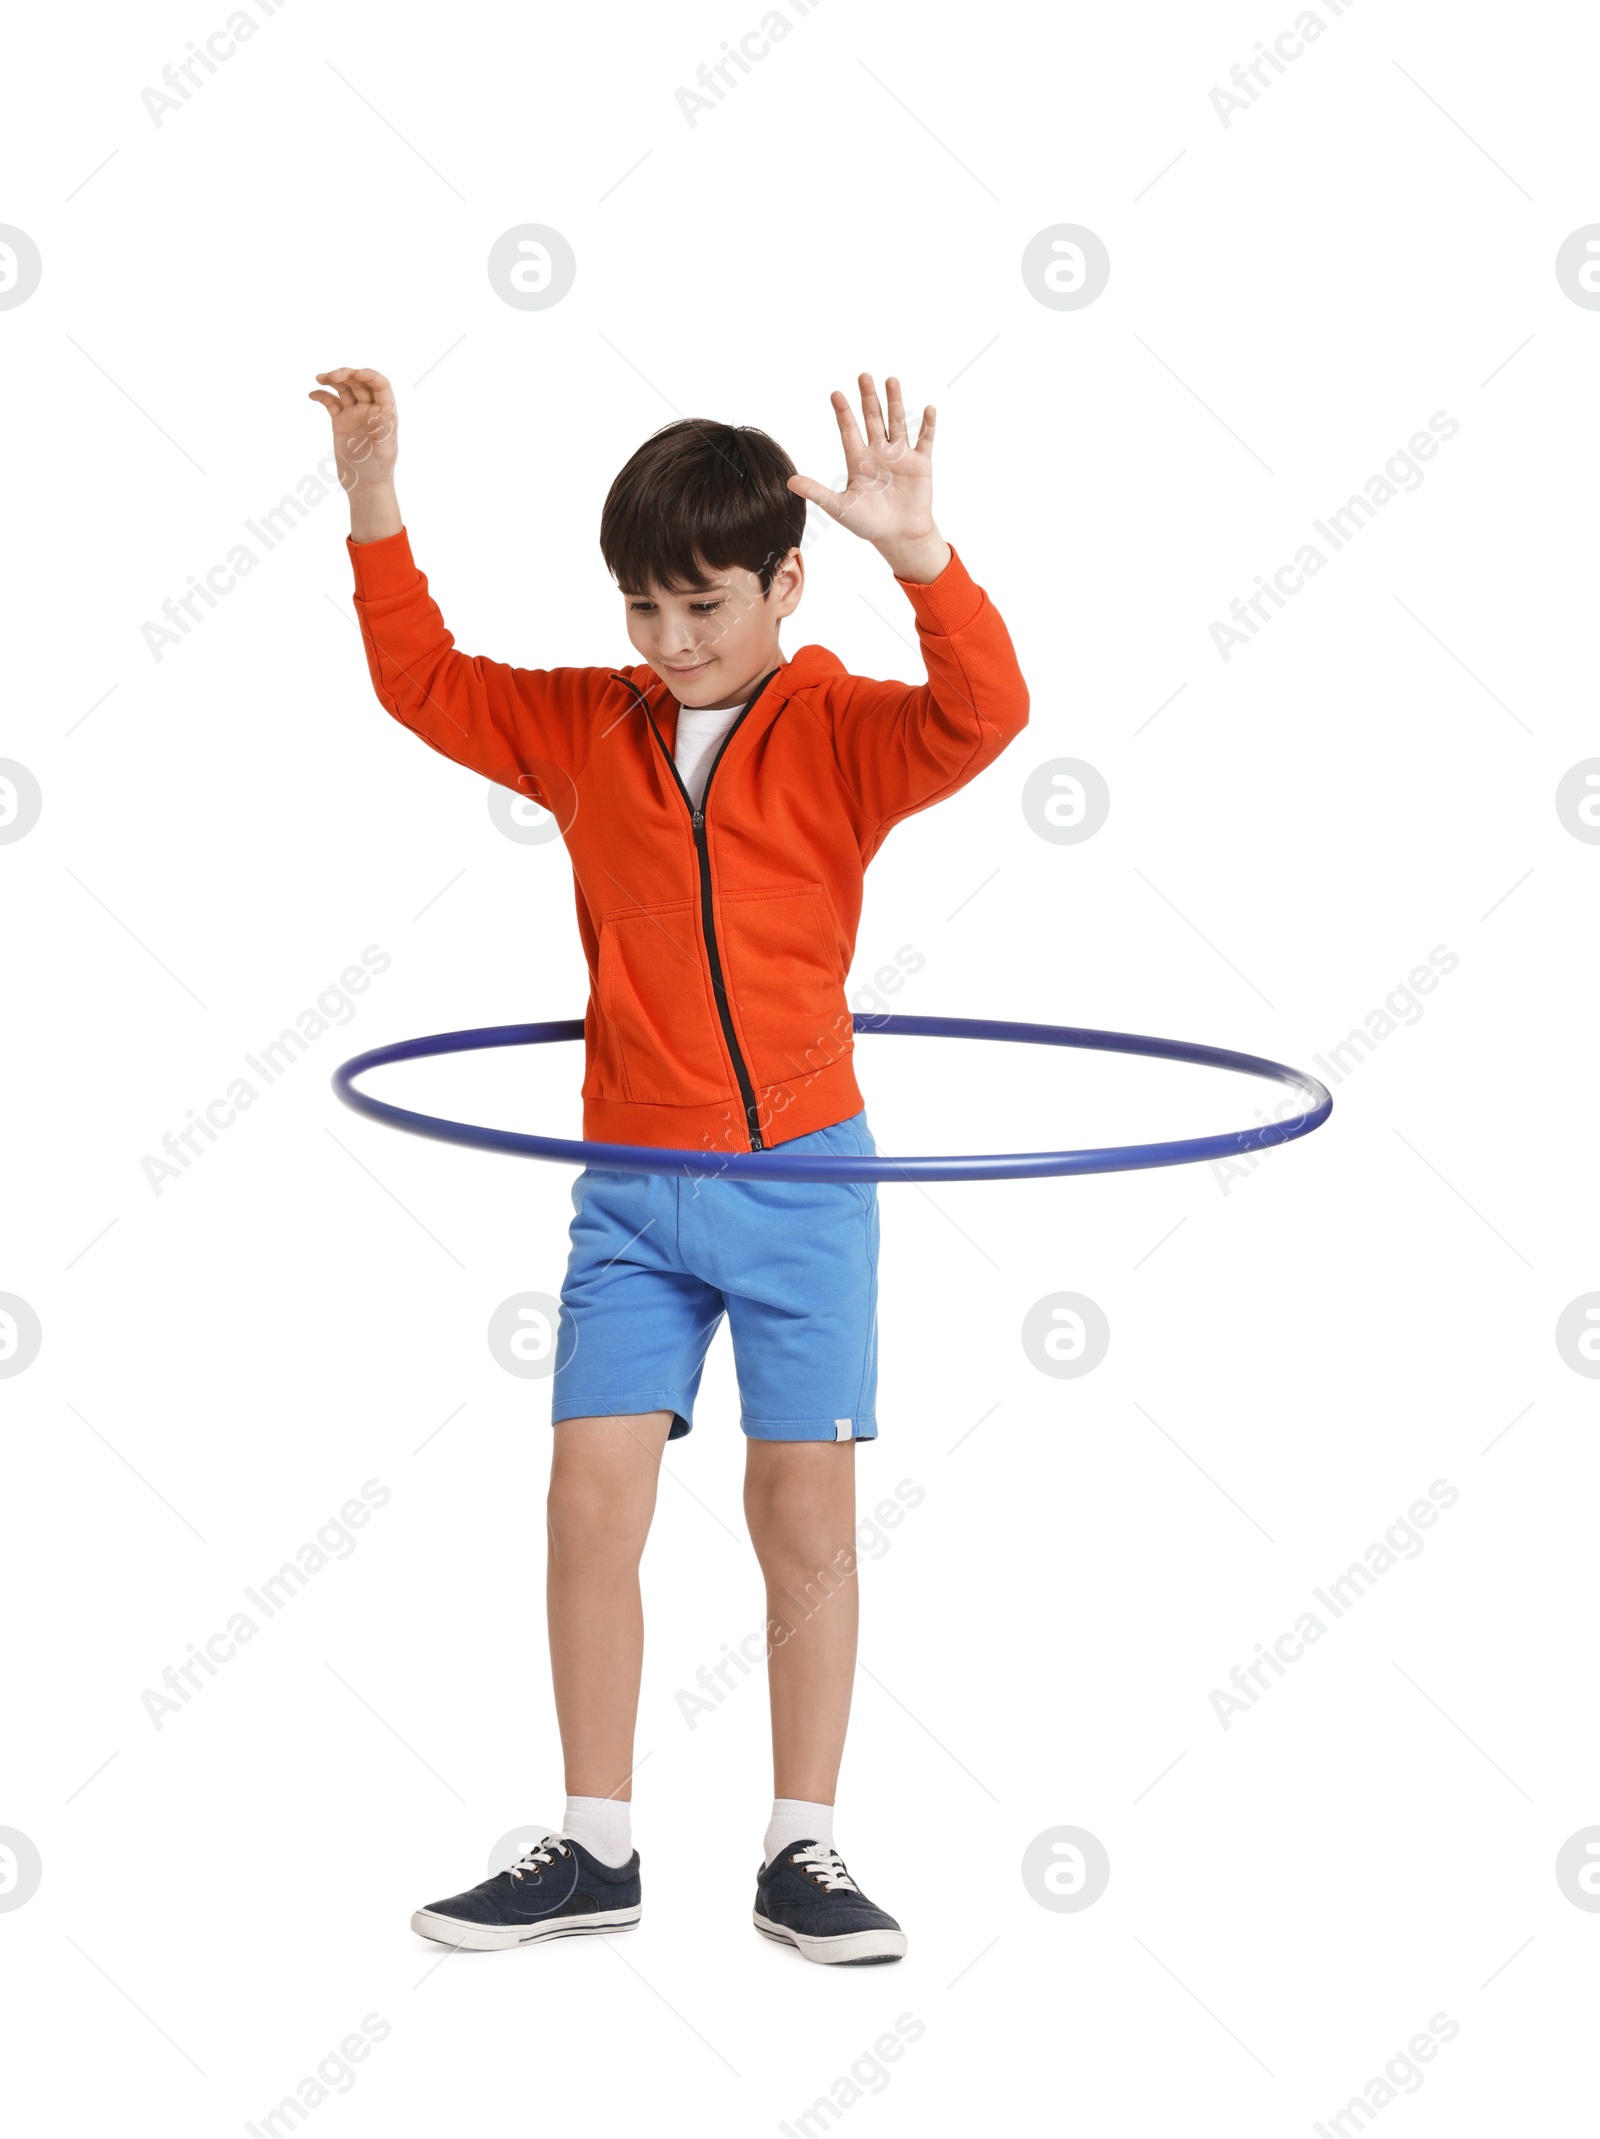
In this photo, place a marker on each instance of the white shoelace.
(540, 1856)
(826, 1866)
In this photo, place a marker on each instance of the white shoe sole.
(489, 1938)
(852, 1946)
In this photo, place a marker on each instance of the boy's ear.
(788, 584)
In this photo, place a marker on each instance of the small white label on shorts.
(843, 1430)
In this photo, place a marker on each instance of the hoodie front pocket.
(657, 1042)
(784, 971)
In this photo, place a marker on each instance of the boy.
(719, 803)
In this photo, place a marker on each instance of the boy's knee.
(585, 1513)
(799, 1518)
(814, 1563)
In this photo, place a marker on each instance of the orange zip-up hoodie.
(718, 939)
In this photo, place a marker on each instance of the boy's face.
(713, 644)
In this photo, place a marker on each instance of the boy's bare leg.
(800, 1505)
(602, 1495)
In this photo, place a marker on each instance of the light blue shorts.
(656, 1261)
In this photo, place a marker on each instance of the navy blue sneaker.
(553, 1890)
(806, 1898)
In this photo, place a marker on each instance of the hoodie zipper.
(697, 825)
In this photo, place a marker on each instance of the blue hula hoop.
(776, 1165)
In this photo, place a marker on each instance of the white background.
(1296, 1355)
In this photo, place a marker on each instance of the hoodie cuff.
(948, 604)
(385, 567)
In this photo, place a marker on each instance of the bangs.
(698, 498)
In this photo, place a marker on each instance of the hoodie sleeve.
(527, 728)
(902, 747)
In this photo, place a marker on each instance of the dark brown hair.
(695, 499)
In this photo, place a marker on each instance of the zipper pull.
(698, 819)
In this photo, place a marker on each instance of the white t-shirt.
(700, 733)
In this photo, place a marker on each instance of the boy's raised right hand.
(366, 445)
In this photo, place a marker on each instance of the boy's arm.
(901, 748)
(524, 728)
(521, 727)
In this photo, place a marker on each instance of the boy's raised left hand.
(888, 495)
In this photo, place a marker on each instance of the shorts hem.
(807, 1430)
(626, 1405)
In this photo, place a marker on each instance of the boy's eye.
(705, 608)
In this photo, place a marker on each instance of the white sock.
(794, 1820)
(604, 1825)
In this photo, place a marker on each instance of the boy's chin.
(697, 691)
